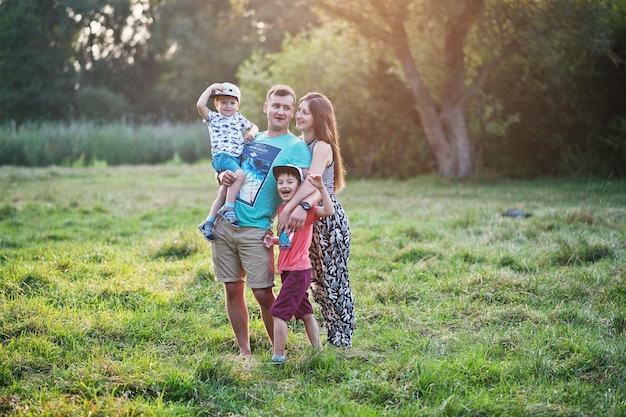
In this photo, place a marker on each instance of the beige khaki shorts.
(240, 254)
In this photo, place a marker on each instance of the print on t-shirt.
(256, 160)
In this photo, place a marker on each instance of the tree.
(50, 49)
(380, 136)
(112, 54)
(444, 124)
(197, 42)
(270, 20)
(546, 106)
(155, 55)
(443, 86)
(35, 60)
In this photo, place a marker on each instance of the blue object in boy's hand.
(283, 241)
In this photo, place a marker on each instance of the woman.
(330, 248)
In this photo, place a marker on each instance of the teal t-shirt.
(258, 198)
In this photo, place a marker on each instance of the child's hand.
(269, 242)
(217, 87)
(316, 180)
(248, 137)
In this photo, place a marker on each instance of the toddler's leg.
(231, 195)
(206, 227)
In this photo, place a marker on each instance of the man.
(240, 257)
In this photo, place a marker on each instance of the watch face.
(305, 205)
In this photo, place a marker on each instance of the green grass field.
(108, 306)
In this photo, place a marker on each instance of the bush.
(100, 104)
(82, 143)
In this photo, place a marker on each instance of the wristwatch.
(305, 205)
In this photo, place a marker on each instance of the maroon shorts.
(293, 300)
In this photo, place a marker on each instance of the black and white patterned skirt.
(330, 284)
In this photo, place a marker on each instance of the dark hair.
(325, 129)
(289, 170)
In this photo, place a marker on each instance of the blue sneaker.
(277, 360)
(206, 228)
(230, 216)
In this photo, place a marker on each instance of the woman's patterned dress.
(330, 284)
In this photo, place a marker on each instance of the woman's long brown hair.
(325, 129)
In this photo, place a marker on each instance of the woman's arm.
(293, 216)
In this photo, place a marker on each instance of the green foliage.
(108, 303)
(205, 42)
(614, 143)
(35, 60)
(548, 46)
(88, 143)
(157, 56)
(113, 56)
(99, 104)
(375, 139)
(544, 109)
(147, 62)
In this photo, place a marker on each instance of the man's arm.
(293, 215)
(226, 178)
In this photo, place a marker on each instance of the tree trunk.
(455, 98)
(446, 129)
(425, 106)
(446, 133)
(455, 127)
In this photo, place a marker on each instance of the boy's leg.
(233, 190)
(219, 201)
(280, 338)
(312, 330)
(206, 227)
(231, 195)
